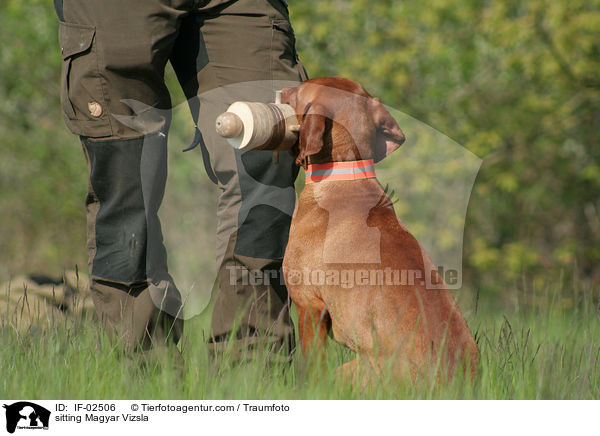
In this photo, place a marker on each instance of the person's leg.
(245, 51)
(114, 54)
(127, 259)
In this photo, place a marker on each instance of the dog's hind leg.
(360, 372)
(348, 371)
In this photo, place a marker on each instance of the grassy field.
(544, 347)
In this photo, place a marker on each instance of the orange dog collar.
(352, 170)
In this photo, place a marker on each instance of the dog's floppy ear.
(312, 130)
(389, 136)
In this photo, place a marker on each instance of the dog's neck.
(334, 171)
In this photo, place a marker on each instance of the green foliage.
(514, 82)
(42, 168)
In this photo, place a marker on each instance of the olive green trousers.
(115, 98)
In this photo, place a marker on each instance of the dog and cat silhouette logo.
(26, 415)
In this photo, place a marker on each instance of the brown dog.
(351, 266)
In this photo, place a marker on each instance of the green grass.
(543, 347)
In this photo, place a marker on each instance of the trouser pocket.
(84, 105)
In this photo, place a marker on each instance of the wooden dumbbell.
(259, 126)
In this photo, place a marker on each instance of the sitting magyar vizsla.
(351, 267)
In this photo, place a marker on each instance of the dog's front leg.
(314, 324)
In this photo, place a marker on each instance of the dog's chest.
(335, 226)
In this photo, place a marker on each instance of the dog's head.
(340, 121)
